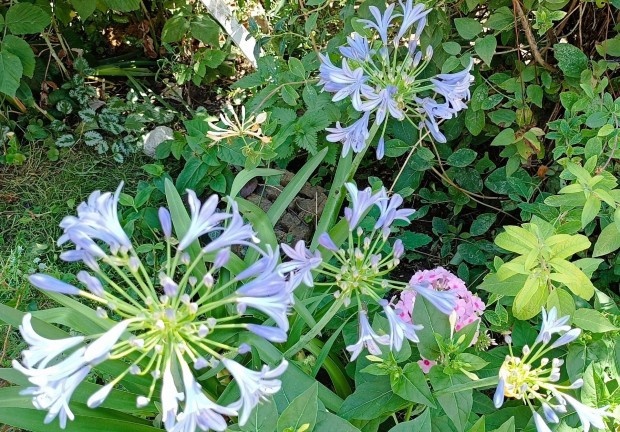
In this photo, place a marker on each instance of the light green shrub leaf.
(531, 298)
(593, 321)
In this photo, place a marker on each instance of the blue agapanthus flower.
(382, 77)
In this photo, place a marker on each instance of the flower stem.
(301, 343)
(345, 171)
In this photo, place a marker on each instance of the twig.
(530, 38)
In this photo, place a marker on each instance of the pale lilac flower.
(237, 233)
(358, 48)
(381, 148)
(454, 87)
(254, 386)
(42, 350)
(587, 415)
(384, 103)
(301, 264)
(92, 283)
(540, 424)
(399, 328)
(353, 137)
(204, 218)
(391, 211)
(264, 266)
(552, 325)
(170, 397)
(412, 14)
(326, 241)
(352, 84)
(48, 283)
(272, 334)
(361, 201)
(382, 22)
(165, 221)
(97, 219)
(276, 305)
(199, 412)
(368, 338)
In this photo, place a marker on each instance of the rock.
(154, 138)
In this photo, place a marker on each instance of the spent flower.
(167, 317)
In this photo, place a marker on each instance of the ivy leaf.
(467, 28)
(485, 48)
(26, 18)
(10, 73)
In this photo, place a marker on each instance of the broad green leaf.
(246, 175)
(507, 287)
(504, 138)
(467, 28)
(296, 67)
(571, 276)
(479, 426)
(608, 241)
(517, 239)
(11, 71)
(434, 322)
(421, 423)
(206, 30)
(458, 405)
(580, 172)
(84, 8)
(507, 426)
(328, 422)
(174, 29)
(593, 321)
(26, 18)
(530, 298)
(301, 412)
(264, 418)
(462, 157)
(123, 5)
(482, 223)
(565, 245)
(562, 301)
(411, 385)
(590, 210)
(568, 200)
(485, 48)
(370, 400)
(571, 60)
(19, 47)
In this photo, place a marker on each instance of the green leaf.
(175, 29)
(26, 18)
(214, 57)
(84, 8)
(504, 138)
(482, 223)
(474, 121)
(507, 287)
(571, 60)
(328, 422)
(565, 245)
(370, 400)
(19, 47)
(411, 385)
(531, 298)
(302, 411)
(467, 28)
(434, 322)
(245, 176)
(396, 148)
(264, 418)
(485, 48)
(421, 423)
(507, 426)
(205, 30)
(11, 71)
(462, 157)
(571, 276)
(192, 174)
(593, 321)
(296, 67)
(562, 301)
(590, 210)
(457, 405)
(451, 48)
(608, 241)
(123, 5)
(289, 95)
(535, 93)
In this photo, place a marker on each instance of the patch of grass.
(34, 198)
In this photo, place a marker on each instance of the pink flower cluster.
(468, 308)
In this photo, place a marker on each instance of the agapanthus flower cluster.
(468, 307)
(383, 77)
(359, 272)
(169, 322)
(533, 378)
